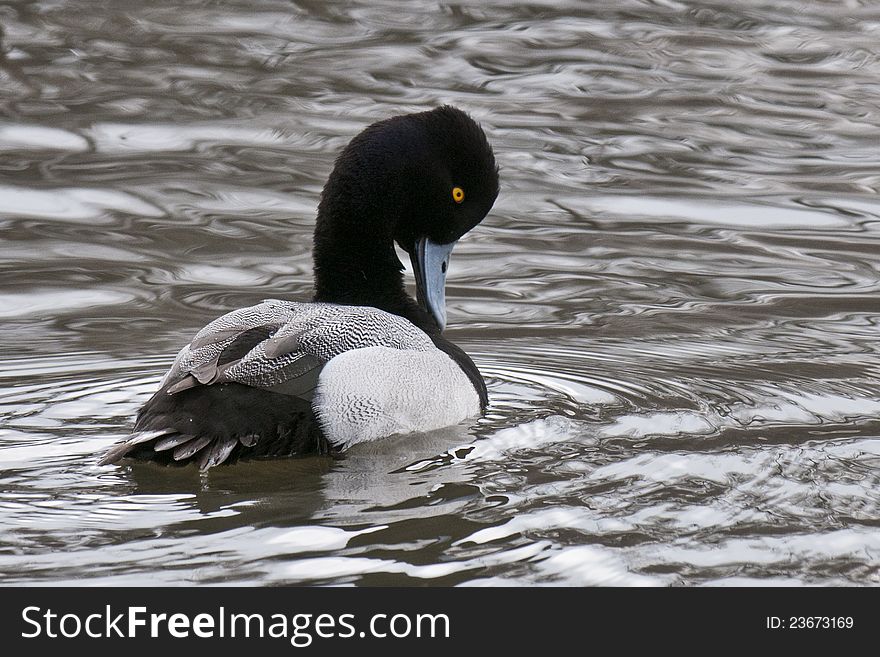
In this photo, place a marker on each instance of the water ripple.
(674, 301)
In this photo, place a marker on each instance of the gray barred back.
(273, 343)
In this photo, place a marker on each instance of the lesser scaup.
(363, 360)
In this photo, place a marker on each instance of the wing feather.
(276, 350)
(186, 450)
(217, 452)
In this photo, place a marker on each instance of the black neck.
(356, 264)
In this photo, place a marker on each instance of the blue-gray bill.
(430, 262)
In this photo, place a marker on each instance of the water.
(674, 301)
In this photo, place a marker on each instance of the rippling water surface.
(675, 301)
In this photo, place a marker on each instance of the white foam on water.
(772, 412)
(124, 138)
(34, 137)
(317, 538)
(579, 518)
(754, 581)
(219, 275)
(331, 567)
(532, 435)
(72, 204)
(663, 423)
(696, 516)
(862, 543)
(734, 213)
(834, 407)
(581, 565)
(777, 407)
(262, 202)
(669, 467)
(41, 303)
(592, 565)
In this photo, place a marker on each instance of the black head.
(408, 168)
(411, 179)
(455, 176)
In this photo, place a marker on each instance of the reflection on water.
(675, 300)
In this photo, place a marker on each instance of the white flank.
(371, 393)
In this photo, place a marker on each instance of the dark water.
(675, 300)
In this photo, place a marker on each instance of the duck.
(362, 360)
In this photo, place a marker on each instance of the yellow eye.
(457, 194)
